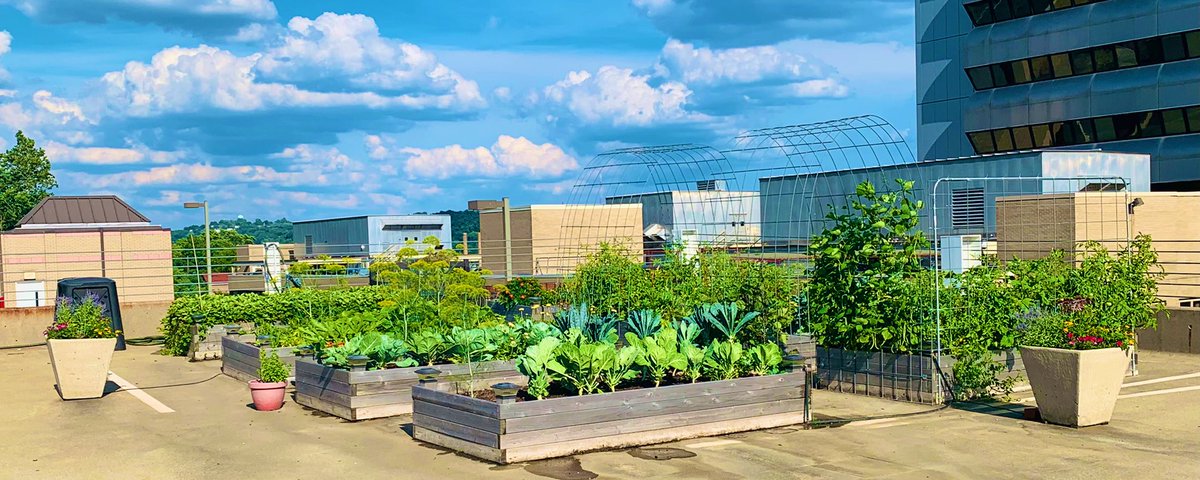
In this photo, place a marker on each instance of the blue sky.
(309, 109)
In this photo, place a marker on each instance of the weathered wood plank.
(703, 401)
(382, 411)
(448, 370)
(309, 366)
(472, 449)
(456, 401)
(480, 422)
(324, 406)
(325, 394)
(551, 450)
(619, 427)
(464, 432)
(648, 395)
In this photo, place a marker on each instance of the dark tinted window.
(1041, 6)
(1150, 125)
(1105, 59)
(1060, 4)
(982, 141)
(981, 77)
(1020, 8)
(1021, 138)
(1000, 10)
(1105, 130)
(1193, 44)
(1149, 51)
(1173, 48)
(1083, 130)
(1081, 62)
(1127, 55)
(1062, 64)
(1021, 73)
(1042, 136)
(980, 13)
(1174, 122)
(1193, 115)
(1001, 75)
(1040, 67)
(1063, 135)
(1003, 140)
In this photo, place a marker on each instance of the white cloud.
(201, 173)
(5, 47)
(376, 148)
(823, 88)
(201, 16)
(508, 156)
(706, 66)
(66, 110)
(618, 97)
(334, 52)
(326, 158)
(59, 152)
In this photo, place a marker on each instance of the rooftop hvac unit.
(961, 252)
(710, 185)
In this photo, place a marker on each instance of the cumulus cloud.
(508, 156)
(205, 17)
(59, 152)
(5, 47)
(690, 94)
(334, 53)
(722, 23)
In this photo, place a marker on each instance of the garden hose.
(146, 341)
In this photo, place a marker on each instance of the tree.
(25, 179)
(188, 255)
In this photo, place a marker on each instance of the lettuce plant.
(723, 360)
(539, 363)
(659, 354)
(763, 359)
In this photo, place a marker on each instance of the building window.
(967, 208)
(1109, 128)
(1103, 58)
(987, 12)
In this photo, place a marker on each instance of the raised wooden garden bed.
(239, 358)
(508, 432)
(363, 395)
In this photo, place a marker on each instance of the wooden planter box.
(239, 359)
(385, 393)
(522, 431)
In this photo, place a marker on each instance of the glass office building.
(996, 76)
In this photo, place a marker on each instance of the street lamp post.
(207, 241)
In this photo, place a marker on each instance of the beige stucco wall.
(552, 239)
(1033, 226)
(24, 326)
(138, 261)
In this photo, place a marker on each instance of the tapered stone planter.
(1075, 388)
(81, 366)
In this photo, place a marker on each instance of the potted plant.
(1077, 355)
(268, 391)
(81, 342)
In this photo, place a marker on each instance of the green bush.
(270, 368)
(867, 288)
(288, 307)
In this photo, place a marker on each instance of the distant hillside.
(461, 221)
(262, 230)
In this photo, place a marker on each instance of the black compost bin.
(105, 292)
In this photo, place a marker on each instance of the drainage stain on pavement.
(662, 453)
(826, 421)
(566, 468)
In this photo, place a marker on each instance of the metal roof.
(56, 210)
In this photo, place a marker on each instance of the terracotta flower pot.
(267, 396)
(1076, 388)
(81, 366)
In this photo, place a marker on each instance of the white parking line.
(139, 394)
(714, 443)
(1159, 392)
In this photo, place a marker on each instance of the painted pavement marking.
(139, 394)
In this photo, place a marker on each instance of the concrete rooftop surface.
(191, 422)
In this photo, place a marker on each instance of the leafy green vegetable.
(270, 368)
(538, 363)
(644, 323)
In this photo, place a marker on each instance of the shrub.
(867, 288)
(288, 307)
(270, 368)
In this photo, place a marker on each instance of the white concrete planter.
(81, 366)
(1076, 388)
